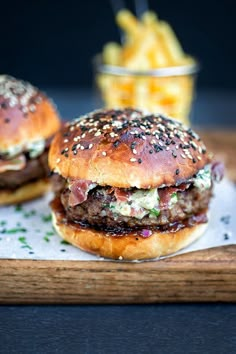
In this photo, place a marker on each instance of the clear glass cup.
(168, 90)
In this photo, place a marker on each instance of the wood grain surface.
(208, 275)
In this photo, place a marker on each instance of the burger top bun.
(127, 148)
(26, 114)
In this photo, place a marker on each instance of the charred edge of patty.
(193, 220)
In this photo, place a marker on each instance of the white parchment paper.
(26, 231)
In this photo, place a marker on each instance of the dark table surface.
(160, 328)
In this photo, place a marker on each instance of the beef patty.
(96, 212)
(35, 169)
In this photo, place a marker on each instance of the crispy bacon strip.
(121, 194)
(79, 190)
(166, 193)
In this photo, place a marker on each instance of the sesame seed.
(139, 160)
(194, 146)
(120, 258)
(133, 159)
(199, 158)
(174, 154)
(116, 143)
(97, 133)
(104, 153)
(65, 140)
(32, 108)
(183, 156)
(83, 135)
(81, 147)
(134, 151)
(58, 160)
(90, 146)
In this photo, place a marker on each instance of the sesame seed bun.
(127, 148)
(24, 193)
(26, 114)
(126, 247)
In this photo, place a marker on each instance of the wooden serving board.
(208, 275)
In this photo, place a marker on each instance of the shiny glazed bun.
(127, 148)
(24, 193)
(26, 114)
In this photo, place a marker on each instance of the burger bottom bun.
(130, 247)
(26, 192)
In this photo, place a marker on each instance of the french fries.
(148, 44)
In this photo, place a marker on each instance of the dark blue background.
(51, 43)
(158, 329)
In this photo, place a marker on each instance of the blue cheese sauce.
(146, 202)
(35, 148)
(203, 178)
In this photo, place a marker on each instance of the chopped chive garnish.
(64, 242)
(174, 197)
(47, 218)
(155, 211)
(18, 207)
(46, 238)
(27, 246)
(29, 213)
(15, 230)
(23, 240)
(105, 205)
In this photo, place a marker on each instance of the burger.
(28, 121)
(130, 185)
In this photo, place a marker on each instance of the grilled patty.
(35, 169)
(95, 211)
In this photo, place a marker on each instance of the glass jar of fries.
(148, 70)
(168, 90)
